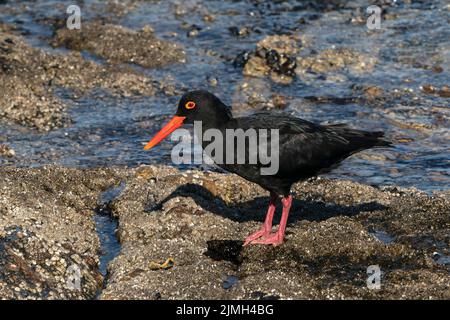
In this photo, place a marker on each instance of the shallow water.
(229, 282)
(106, 226)
(414, 38)
(383, 236)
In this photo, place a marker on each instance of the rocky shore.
(35, 82)
(198, 219)
(88, 98)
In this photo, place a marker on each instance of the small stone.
(373, 92)
(6, 151)
(213, 81)
(239, 32)
(209, 18)
(279, 101)
(437, 69)
(444, 92)
(428, 88)
(194, 30)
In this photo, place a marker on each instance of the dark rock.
(119, 44)
(241, 59)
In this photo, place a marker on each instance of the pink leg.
(267, 227)
(278, 237)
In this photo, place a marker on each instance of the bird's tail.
(378, 136)
(360, 139)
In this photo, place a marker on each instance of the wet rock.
(29, 76)
(428, 88)
(284, 44)
(118, 44)
(209, 18)
(279, 101)
(241, 59)
(373, 92)
(7, 27)
(335, 59)
(6, 151)
(213, 81)
(444, 92)
(49, 248)
(334, 100)
(330, 241)
(193, 31)
(198, 220)
(438, 69)
(274, 57)
(258, 295)
(239, 32)
(279, 66)
(282, 58)
(113, 10)
(256, 67)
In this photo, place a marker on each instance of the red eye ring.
(190, 105)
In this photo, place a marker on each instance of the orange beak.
(174, 124)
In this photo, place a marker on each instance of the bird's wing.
(305, 148)
(290, 127)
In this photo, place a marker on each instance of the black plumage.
(306, 149)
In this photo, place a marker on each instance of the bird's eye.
(190, 105)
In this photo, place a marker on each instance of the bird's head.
(197, 105)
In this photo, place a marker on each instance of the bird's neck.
(219, 119)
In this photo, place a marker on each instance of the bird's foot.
(262, 233)
(273, 239)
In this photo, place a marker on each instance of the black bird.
(305, 150)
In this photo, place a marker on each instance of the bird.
(305, 150)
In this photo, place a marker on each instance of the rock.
(428, 88)
(437, 69)
(118, 44)
(241, 59)
(197, 220)
(213, 81)
(256, 67)
(209, 18)
(283, 44)
(444, 92)
(273, 56)
(373, 92)
(6, 151)
(280, 67)
(193, 31)
(239, 32)
(282, 58)
(279, 101)
(334, 59)
(328, 249)
(29, 76)
(47, 234)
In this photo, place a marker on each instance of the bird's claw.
(262, 233)
(273, 239)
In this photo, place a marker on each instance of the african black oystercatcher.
(303, 149)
